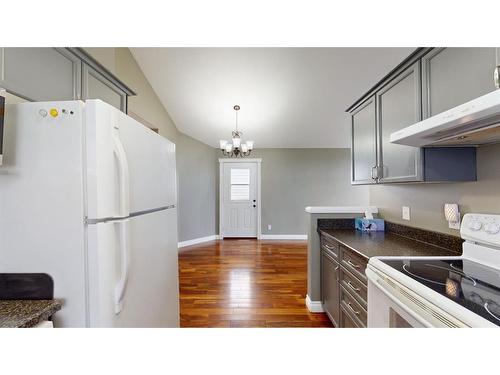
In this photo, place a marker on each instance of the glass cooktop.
(470, 284)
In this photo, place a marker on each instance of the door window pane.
(240, 192)
(240, 184)
(240, 176)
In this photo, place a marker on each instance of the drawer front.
(354, 263)
(356, 287)
(330, 246)
(353, 307)
(346, 321)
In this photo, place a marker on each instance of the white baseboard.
(283, 237)
(198, 240)
(314, 306)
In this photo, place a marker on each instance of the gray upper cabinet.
(40, 74)
(96, 86)
(428, 82)
(398, 106)
(364, 143)
(51, 74)
(453, 76)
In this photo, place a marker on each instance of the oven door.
(384, 311)
(392, 305)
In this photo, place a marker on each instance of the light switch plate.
(406, 212)
(269, 227)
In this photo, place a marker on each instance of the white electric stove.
(459, 291)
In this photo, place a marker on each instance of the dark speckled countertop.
(26, 313)
(370, 244)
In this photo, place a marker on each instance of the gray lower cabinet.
(343, 284)
(453, 76)
(364, 143)
(40, 74)
(347, 320)
(398, 106)
(330, 287)
(96, 86)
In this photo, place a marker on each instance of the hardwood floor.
(245, 283)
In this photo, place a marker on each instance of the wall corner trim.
(283, 237)
(314, 306)
(195, 241)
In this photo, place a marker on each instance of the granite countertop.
(370, 244)
(26, 313)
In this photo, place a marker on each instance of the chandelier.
(236, 148)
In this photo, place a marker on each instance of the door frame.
(223, 161)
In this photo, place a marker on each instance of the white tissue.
(368, 215)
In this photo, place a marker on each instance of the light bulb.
(236, 142)
(229, 147)
(222, 144)
(244, 147)
(250, 145)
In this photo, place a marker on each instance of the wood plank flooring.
(245, 283)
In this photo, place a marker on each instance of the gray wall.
(426, 201)
(293, 179)
(197, 193)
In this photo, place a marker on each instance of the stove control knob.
(475, 225)
(492, 228)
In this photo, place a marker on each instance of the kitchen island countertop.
(371, 244)
(26, 313)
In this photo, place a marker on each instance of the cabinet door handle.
(336, 268)
(496, 77)
(352, 264)
(352, 308)
(374, 175)
(353, 287)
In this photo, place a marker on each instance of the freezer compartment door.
(133, 274)
(130, 168)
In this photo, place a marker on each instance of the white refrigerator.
(88, 196)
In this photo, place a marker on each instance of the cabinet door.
(40, 74)
(330, 287)
(96, 86)
(453, 76)
(398, 106)
(364, 143)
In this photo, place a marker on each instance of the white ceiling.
(289, 97)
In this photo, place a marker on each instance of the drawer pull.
(336, 268)
(352, 308)
(352, 264)
(353, 287)
(329, 247)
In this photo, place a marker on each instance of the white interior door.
(239, 199)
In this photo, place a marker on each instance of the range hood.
(473, 123)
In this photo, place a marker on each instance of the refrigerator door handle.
(123, 175)
(121, 286)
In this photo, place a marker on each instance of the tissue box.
(369, 225)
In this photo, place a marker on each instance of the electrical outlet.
(269, 227)
(406, 212)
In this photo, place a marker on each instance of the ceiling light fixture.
(236, 148)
